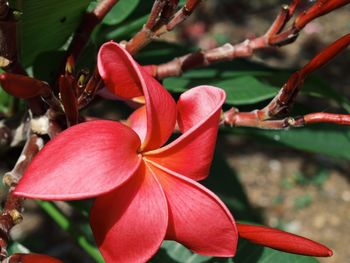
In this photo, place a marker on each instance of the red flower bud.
(284, 241)
(22, 86)
(32, 258)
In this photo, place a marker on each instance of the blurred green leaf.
(5, 101)
(120, 11)
(246, 90)
(128, 26)
(319, 138)
(239, 90)
(46, 25)
(172, 252)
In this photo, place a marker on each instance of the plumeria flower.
(145, 192)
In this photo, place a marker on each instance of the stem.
(83, 33)
(66, 225)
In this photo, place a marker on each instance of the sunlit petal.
(124, 77)
(191, 154)
(130, 223)
(84, 161)
(197, 218)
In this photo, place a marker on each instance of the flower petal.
(124, 77)
(198, 117)
(280, 240)
(117, 71)
(161, 114)
(197, 218)
(84, 161)
(129, 224)
(138, 122)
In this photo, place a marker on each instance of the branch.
(275, 36)
(168, 19)
(11, 214)
(83, 33)
(263, 118)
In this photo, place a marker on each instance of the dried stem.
(83, 33)
(161, 20)
(11, 214)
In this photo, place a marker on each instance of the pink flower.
(145, 192)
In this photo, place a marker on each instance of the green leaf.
(239, 90)
(120, 11)
(245, 82)
(78, 234)
(172, 252)
(251, 253)
(127, 27)
(246, 90)
(5, 101)
(319, 138)
(46, 25)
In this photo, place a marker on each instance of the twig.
(275, 36)
(168, 19)
(264, 118)
(83, 33)
(11, 214)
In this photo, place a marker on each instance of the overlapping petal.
(197, 218)
(117, 71)
(84, 161)
(120, 72)
(191, 154)
(138, 122)
(130, 223)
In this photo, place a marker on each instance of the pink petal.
(138, 122)
(283, 241)
(119, 71)
(129, 224)
(84, 161)
(161, 114)
(197, 217)
(191, 154)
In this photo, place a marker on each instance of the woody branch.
(265, 118)
(275, 36)
(163, 18)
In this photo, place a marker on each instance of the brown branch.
(290, 90)
(263, 118)
(275, 36)
(83, 33)
(11, 214)
(164, 10)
